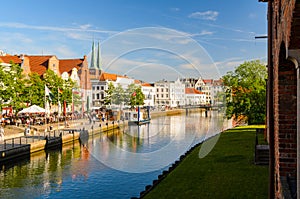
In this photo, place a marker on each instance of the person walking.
(1, 133)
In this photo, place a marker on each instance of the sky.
(146, 40)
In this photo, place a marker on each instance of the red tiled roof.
(218, 82)
(192, 91)
(146, 84)
(208, 81)
(109, 76)
(39, 64)
(66, 65)
(137, 81)
(8, 58)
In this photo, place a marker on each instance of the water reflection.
(82, 171)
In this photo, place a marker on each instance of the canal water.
(118, 164)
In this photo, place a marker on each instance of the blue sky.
(224, 31)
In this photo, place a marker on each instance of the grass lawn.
(227, 171)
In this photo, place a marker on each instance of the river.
(118, 164)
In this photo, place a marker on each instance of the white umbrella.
(33, 109)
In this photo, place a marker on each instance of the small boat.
(140, 122)
(136, 117)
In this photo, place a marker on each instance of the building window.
(162, 90)
(162, 95)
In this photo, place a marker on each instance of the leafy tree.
(60, 88)
(34, 90)
(140, 97)
(109, 94)
(12, 86)
(118, 96)
(135, 95)
(54, 83)
(246, 92)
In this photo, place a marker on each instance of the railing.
(27, 139)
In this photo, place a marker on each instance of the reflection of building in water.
(177, 127)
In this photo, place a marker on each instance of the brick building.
(77, 69)
(283, 95)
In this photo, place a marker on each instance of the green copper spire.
(93, 60)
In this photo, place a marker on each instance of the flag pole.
(72, 107)
(45, 104)
(57, 108)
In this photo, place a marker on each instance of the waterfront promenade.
(16, 143)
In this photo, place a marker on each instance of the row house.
(76, 69)
(100, 86)
(194, 97)
(162, 93)
(149, 92)
(177, 93)
(189, 82)
(169, 93)
(212, 88)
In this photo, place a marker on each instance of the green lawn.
(227, 171)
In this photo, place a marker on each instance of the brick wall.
(284, 94)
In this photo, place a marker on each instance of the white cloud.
(175, 9)
(65, 51)
(80, 28)
(207, 15)
(85, 26)
(232, 63)
(205, 32)
(252, 15)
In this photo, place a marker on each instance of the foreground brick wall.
(284, 93)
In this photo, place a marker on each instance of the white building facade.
(170, 93)
(194, 97)
(149, 92)
(177, 93)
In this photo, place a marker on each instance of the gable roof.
(66, 65)
(192, 91)
(208, 81)
(146, 84)
(137, 81)
(8, 58)
(38, 64)
(110, 77)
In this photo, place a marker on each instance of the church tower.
(96, 62)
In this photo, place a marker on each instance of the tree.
(34, 90)
(135, 95)
(60, 88)
(118, 96)
(54, 83)
(246, 92)
(109, 94)
(12, 86)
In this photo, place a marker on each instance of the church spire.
(99, 58)
(93, 59)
